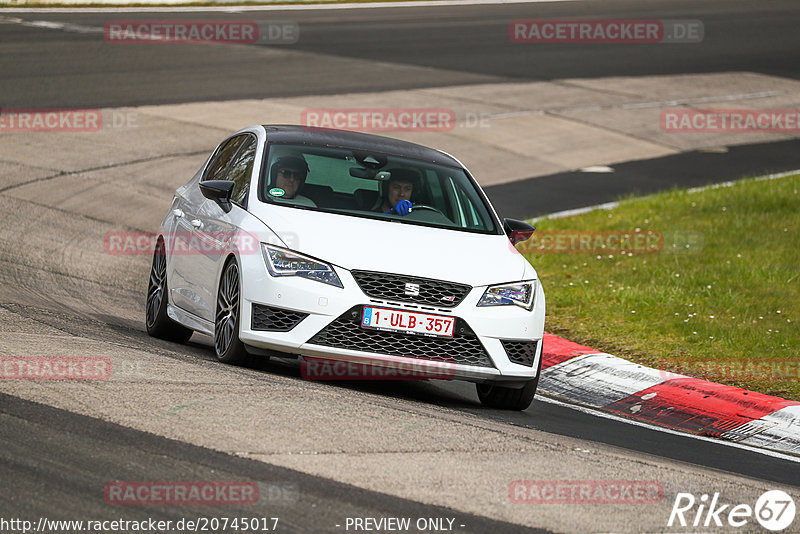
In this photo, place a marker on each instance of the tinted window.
(241, 169)
(226, 151)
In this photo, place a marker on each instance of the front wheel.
(505, 398)
(227, 345)
(158, 323)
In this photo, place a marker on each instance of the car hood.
(361, 243)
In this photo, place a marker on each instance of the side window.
(437, 195)
(454, 200)
(241, 169)
(471, 217)
(218, 167)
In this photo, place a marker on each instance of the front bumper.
(312, 319)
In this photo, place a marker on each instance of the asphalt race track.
(572, 190)
(75, 441)
(448, 46)
(321, 452)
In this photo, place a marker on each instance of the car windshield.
(358, 183)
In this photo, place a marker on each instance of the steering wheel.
(426, 207)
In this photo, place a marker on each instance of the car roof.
(306, 135)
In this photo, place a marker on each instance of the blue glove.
(403, 207)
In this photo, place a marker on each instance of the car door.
(192, 251)
(217, 228)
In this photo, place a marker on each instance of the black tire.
(156, 319)
(227, 345)
(505, 398)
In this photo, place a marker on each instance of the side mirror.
(219, 191)
(517, 231)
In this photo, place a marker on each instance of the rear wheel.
(158, 322)
(227, 345)
(505, 398)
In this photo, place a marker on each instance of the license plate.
(407, 321)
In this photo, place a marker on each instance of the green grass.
(720, 300)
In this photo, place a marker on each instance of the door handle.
(177, 213)
(197, 223)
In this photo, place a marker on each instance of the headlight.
(518, 294)
(281, 262)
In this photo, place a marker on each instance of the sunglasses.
(291, 174)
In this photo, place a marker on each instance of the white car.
(337, 246)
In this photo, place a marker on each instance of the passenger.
(287, 176)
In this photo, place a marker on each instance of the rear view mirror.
(360, 172)
(517, 231)
(219, 191)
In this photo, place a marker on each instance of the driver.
(287, 176)
(398, 191)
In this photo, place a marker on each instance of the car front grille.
(346, 332)
(274, 319)
(393, 287)
(521, 352)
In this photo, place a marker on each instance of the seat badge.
(412, 290)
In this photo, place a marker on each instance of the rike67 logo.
(774, 510)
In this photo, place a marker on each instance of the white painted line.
(63, 26)
(43, 24)
(612, 205)
(601, 169)
(577, 211)
(605, 415)
(280, 7)
(734, 182)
